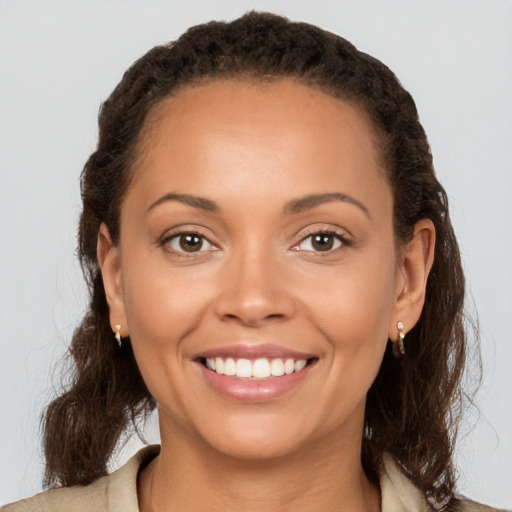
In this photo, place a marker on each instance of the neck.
(185, 476)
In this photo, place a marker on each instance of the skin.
(252, 149)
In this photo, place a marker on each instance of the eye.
(320, 242)
(189, 243)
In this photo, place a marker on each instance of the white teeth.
(230, 367)
(262, 368)
(277, 368)
(243, 368)
(289, 366)
(299, 365)
(219, 365)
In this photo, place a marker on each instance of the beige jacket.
(118, 492)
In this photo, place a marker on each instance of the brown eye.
(189, 243)
(320, 242)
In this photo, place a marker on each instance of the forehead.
(236, 102)
(283, 132)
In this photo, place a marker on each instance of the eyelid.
(177, 232)
(342, 235)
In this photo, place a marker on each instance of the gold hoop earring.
(118, 335)
(398, 345)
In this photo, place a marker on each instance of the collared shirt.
(117, 492)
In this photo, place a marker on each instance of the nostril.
(276, 316)
(255, 303)
(253, 320)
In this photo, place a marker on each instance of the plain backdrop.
(60, 59)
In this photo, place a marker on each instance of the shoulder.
(112, 493)
(399, 494)
(472, 506)
(77, 498)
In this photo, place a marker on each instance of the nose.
(254, 291)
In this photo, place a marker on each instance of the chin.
(254, 438)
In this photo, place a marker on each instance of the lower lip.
(254, 390)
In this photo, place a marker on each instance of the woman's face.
(257, 237)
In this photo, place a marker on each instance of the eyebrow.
(311, 201)
(292, 207)
(197, 202)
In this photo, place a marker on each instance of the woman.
(271, 262)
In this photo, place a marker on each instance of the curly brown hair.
(414, 404)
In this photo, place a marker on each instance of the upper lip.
(251, 351)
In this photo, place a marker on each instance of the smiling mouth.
(258, 369)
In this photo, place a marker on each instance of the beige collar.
(398, 493)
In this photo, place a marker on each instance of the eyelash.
(176, 235)
(342, 238)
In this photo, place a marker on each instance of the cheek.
(359, 298)
(164, 305)
(161, 307)
(354, 315)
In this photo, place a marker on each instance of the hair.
(415, 402)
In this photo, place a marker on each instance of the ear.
(416, 260)
(109, 261)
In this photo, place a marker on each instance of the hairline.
(247, 77)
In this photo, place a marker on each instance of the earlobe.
(109, 261)
(416, 260)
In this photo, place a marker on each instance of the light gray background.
(60, 59)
